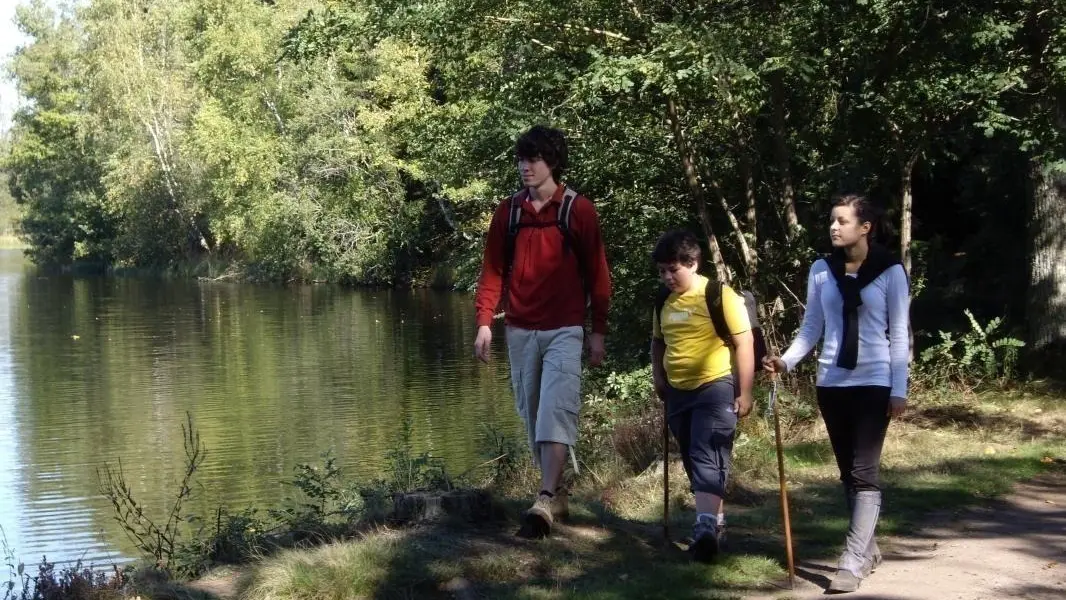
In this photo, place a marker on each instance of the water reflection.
(97, 369)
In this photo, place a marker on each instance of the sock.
(547, 493)
(713, 518)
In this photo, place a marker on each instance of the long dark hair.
(865, 211)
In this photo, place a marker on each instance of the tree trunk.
(906, 211)
(1047, 266)
(746, 252)
(168, 179)
(750, 242)
(788, 190)
(749, 196)
(688, 164)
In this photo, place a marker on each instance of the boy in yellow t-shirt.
(694, 374)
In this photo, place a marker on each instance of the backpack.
(562, 221)
(713, 294)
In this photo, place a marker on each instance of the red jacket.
(546, 290)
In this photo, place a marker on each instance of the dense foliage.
(368, 141)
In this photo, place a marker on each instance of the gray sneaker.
(704, 540)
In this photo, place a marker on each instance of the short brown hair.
(679, 246)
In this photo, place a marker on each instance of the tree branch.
(603, 32)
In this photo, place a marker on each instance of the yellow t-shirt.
(695, 355)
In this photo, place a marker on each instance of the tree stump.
(464, 505)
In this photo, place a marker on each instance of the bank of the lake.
(949, 453)
(98, 370)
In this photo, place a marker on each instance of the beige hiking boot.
(561, 501)
(538, 520)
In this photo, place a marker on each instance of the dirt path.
(1012, 548)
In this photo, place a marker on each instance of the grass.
(948, 453)
(583, 561)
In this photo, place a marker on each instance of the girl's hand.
(774, 364)
(896, 406)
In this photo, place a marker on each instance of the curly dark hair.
(544, 143)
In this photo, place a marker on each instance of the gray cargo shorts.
(546, 379)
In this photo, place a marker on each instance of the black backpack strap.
(563, 220)
(566, 209)
(716, 310)
(514, 216)
(660, 301)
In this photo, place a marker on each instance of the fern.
(981, 354)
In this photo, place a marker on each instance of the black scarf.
(878, 260)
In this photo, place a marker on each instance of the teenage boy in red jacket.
(545, 254)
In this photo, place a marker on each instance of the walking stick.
(784, 489)
(666, 475)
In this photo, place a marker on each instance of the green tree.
(53, 162)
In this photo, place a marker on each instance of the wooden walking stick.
(666, 475)
(784, 488)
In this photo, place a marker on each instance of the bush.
(638, 440)
(235, 538)
(616, 398)
(406, 472)
(505, 456)
(154, 540)
(77, 582)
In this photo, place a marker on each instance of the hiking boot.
(538, 520)
(704, 540)
(872, 556)
(844, 581)
(561, 504)
(873, 560)
(861, 555)
(561, 500)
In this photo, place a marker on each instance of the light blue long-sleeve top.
(884, 331)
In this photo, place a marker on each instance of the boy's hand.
(483, 343)
(742, 405)
(597, 350)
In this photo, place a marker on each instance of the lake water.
(94, 370)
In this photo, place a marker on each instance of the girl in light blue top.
(858, 303)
